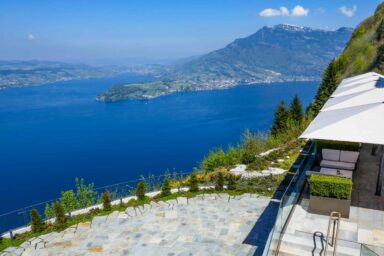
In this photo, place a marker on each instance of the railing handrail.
(335, 218)
(291, 184)
(98, 188)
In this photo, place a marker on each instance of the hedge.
(341, 145)
(330, 186)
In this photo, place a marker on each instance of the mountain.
(364, 52)
(36, 72)
(272, 54)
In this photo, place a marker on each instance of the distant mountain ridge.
(37, 72)
(272, 54)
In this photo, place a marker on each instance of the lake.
(49, 135)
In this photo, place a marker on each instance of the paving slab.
(196, 226)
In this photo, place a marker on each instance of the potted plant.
(330, 193)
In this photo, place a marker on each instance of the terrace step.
(304, 244)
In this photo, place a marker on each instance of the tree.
(69, 200)
(61, 219)
(140, 191)
(232, 182)
(296, 110)
(327, 86)
(48, 212)
(193, 183)
(85, 194)
(219, 182)
(166, 187)
(107, 201)
(280, 118)
(37, 224)
(380, 31)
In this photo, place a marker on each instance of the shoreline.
(102, 99)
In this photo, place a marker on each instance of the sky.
(99, 31)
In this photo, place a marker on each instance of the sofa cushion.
(349, 156)
(331, 154)
(337, 165)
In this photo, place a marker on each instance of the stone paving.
(204, 225)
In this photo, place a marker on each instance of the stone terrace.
(204, 225)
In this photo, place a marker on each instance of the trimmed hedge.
(341, 145)
(330, 186)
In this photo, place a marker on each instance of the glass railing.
(17, 220)
(291, 196)
(366, 251)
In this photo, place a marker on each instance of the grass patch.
(5, 243)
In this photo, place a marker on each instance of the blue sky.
(107, 31)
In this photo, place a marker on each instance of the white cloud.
(348, 11)
(31, 37)
(270, 12)
(298, 10)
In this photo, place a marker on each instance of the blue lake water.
(51, 134)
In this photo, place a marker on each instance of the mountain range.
(36, 72)
(273, 54)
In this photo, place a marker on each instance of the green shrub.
(253, 144)
(48, 212)
(193, 183)
(232, 182)
(330, 186)
(166, 187)
(219, 158)
(107, 201)
(85, 193)
(61, 219)
(219, 182)
(140, 191)
(69, 200)
(341, 145)
(37, 224)
(258, 165)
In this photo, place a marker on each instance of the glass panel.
(365, 251)
(289, 199)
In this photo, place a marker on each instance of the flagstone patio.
(204, 225)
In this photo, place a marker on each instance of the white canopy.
(355, 112)
(354, 100)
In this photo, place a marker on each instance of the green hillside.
(364, 53)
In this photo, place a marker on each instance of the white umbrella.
(355, 99)
(360, 81)
(356, 88)
(362, 124)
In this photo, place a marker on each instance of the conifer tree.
(219, 182)
(107, 201)
(380, 31)
(193, 183)
(296, 110)
(327, 87)
(37, 224)
(166, 187)
(232, 182)
(61, 219)
(140, 191)
(280, 118)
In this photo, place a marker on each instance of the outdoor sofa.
(339, 159)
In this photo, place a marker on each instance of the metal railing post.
(335, 218)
